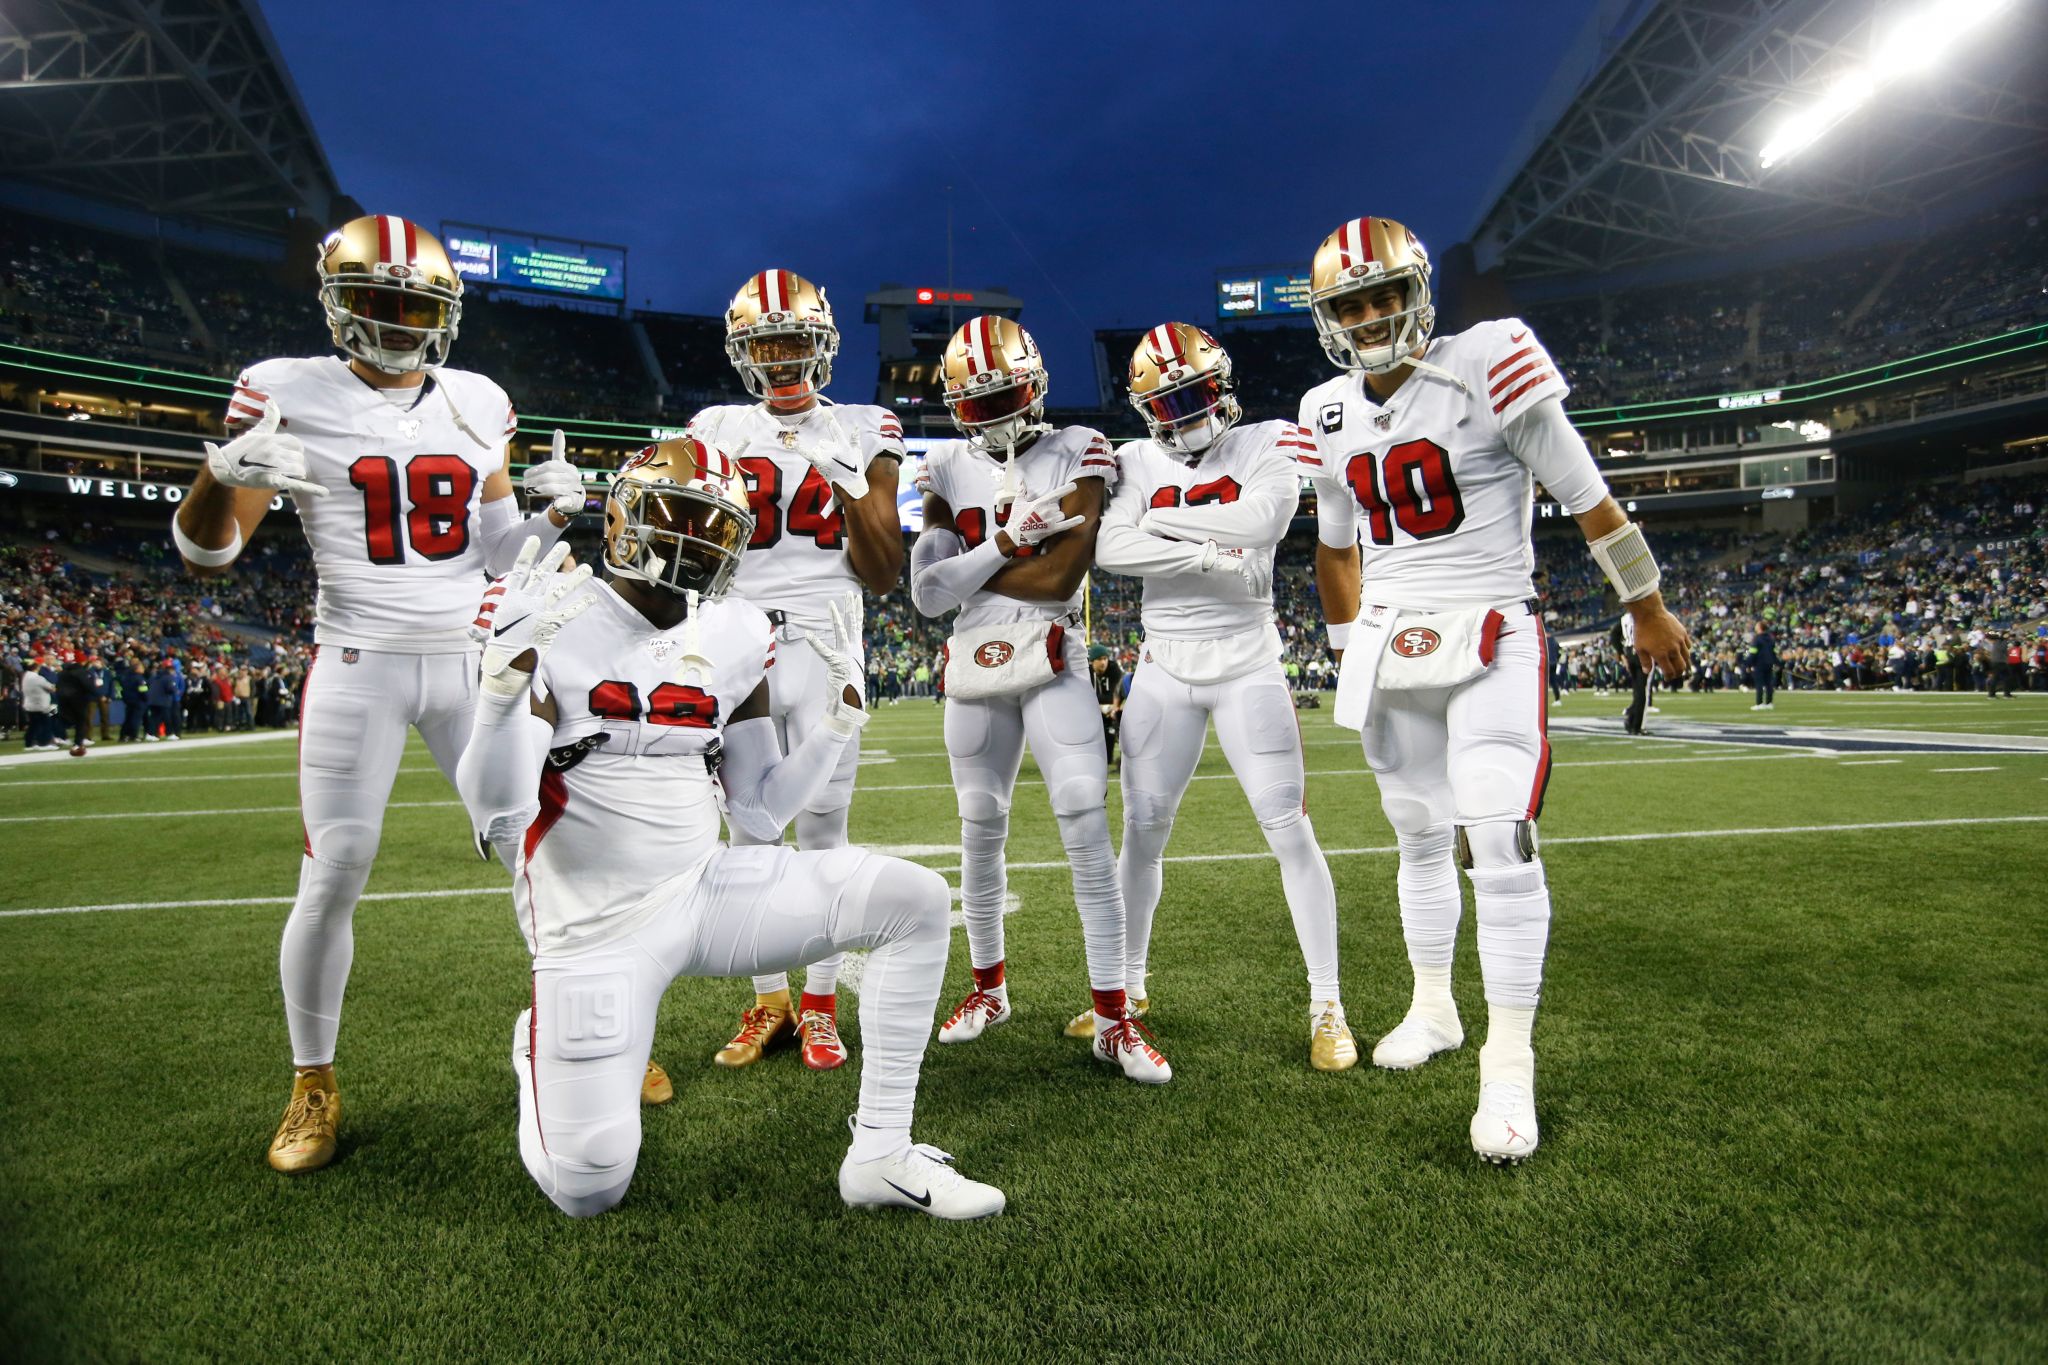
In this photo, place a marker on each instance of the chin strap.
(1416, 362)
(693, 663)
(456, 413)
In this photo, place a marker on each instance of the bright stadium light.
(1909, 48)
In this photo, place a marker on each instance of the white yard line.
(1869, 762)
(1650, 837)
(281, 775)
(179, 814)
(1992, 769)
(183, 746)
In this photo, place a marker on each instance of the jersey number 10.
(1411, 488)
(439, 488)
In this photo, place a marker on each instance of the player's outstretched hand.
(556, 480)
(1662, 642)
(837, 459)
(842, 666)
(1036, 517)
(263, 457)
(523, 612)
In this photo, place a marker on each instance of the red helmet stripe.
(412, 242)
(988, 341)
(761, 291)
(1344, 245)
(384, 252)
(1365, 237)
(1173, 340)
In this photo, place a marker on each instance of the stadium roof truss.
(177, 107)
(1658, 154)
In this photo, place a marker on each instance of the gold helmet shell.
(1181, 384)
(1364, 254)
(995, 381)
(780, 336)
(392, 297)
(677, 516)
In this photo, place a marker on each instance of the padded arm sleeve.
(1120, 547)
(1256, 521)
(498, 776)
(766, 789)
(1336, 514)
(1542, 438)
(942, 578)
(501, 533)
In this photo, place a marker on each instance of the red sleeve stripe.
(238, 408)
(1541, 378)
(1289, 443)
(244, 391)
(1526, 350)
(1309, 459)
(1528, 367)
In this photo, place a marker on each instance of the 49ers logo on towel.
(1416, 641)
(994, 654)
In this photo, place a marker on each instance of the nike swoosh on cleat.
(508, 625)
(923, 1201)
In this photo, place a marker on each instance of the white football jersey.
(969, 481)
(1440, 503)
(628, 808)
(796, 562)
(394, 540)
(1207, 606)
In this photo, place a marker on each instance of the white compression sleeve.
(1336, 515)
(1544, 439)
(501, 533)
(765, 788)
(498, 776)
(942, 578)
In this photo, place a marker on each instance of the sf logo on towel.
(1416, 641)
(994, 654)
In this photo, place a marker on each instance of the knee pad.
(819, 829)
(1145, 810)
(325, 885)
(983, 805)
(1498, 843)
(589, 1172)
(1278, 806)
(1077, 795)
(351, 843)
(915, 894)
(1425, 845)
(1407, 814)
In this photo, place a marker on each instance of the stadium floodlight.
(1909, 48)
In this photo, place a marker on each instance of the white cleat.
(1414, 1041)
(920, 1177)
(978, 1013)
(1504, 1128)
(1124, 1044)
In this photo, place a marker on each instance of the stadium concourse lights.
(1911, 47)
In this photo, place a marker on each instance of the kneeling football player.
(611, 718)
(1199, 508)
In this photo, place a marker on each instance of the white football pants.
(985, 742)
(581, 1050)
(1165, 725)
(352, 722)
(799, 694)
(1475, 756)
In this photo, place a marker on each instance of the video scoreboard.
(1268, 294)
(518, 260)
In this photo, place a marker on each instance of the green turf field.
(1791, 1085)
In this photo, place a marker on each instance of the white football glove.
(838, 460)
(842, 667)
(1256, 572)
(556, 480)
(1036, 518)
(263, 457)
(524, 611)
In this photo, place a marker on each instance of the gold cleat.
(1330, 1044)
(1082, 1025)
(305, 1140)
(761, 1028)
(655, 1087)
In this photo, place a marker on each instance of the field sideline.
(1789, 1075)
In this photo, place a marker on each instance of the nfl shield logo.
(349, 656)
(1382, 421)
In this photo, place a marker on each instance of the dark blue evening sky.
(1105, 158)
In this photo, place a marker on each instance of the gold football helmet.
(995, 382)
(1361, 255)
(677, 516)
(1182, 386)
(392, 297)
(780, 336)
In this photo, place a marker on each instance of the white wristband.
(196, 553)
(1624, 556)
(1339, 633)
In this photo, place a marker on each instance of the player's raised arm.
(503, 532)
(864, 483)
(1256, 521)
(1122, 547)
(1542, 437)
(1050, 542)
(234, 488)
(765, 788)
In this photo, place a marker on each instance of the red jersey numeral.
(808, 514)
(1225, 489)
(439, 487)
(764, 494)
(1419, 496)
(692, 708)
(808, 506)
(972, 524)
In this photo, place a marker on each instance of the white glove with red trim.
(1037, 518)
(263, 457)
(524, 611)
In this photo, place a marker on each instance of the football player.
(400, 471)
(821, 478)
(1425, 449)
(611, 718)
(1198, 510)
(1011, 514)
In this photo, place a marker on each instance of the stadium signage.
(521, 260)
(116, 490)
(1751, 400)
(1274, 294)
